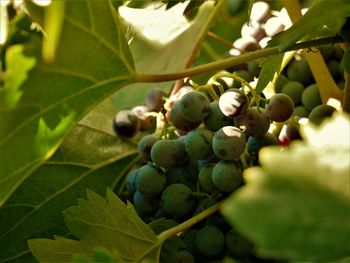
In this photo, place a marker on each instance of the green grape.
(126, 124)
(177, 200)
(194, 106)
(166, 153)
(150, 180)
(189, 239)
(226, 176)
(280, 107)
(154, 99)
(204, 178)
(235, 6)
(179, 121)
(254, 122)
(198, 144)
(311, 97)
(293, 89)
(333, 66)
(256, 143)
(210, 241)
(229, 143)
(144, 205)
(145, 145)
(171, 248)
(299, 70)
(183, 256)
(301, 112)
(238, 246)
(131, 181)
(216, 119)
(320, 113)
(160, 225)
(233, 103)
(280, 82)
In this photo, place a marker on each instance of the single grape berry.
(254, 122)
(150, 180)
(227, 176)
(320, 113)
(131, 181)
(176, 175)
(293, 89)
(301, 112)
(177, 200)
(179, 121)
(154, 99)
(311, 97)
(144, 205)
(166, 153)
(216, 119)
(194, 106)
(126, 123)
(229, 143)
(280, 107)
(198, 144)
(205, 178)
(145, 145)
(210, 241)
(299, 70)
(233, 103)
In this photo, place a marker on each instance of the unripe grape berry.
(194, 106)
(198, 144)
(205, 178)
(227, 176)
(177, 200)
(216, 119)
(299, 70)
(233, 103)
(166, 153)
(280, 107)
(254, 122)
(311, 97)
(320, 113)
(145, 146)
(256, 143)
(154, 99)
(179, 121)
(293, 89)
(150, 180)
(144, 205)
(229, 143)
(237, 244)
(131, 181)
(125, 123)
(210, 241)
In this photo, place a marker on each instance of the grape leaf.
(300, 196)
(90, 157)
(97, 222)
(315, 23)
(154, 35)
(47, 100)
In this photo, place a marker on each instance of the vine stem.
(225, 63)
(188, 223)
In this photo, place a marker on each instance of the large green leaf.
(300, 196)
(90, 157)
(42, 102)
(324, 18)
(161, 41)
(110, 224)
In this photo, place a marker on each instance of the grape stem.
(233, 61)
(188, 223)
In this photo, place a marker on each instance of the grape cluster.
(209, 134)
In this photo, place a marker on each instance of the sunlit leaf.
(91, 157)
(109, 223)
(42, 102)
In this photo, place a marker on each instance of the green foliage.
(90, 157)
(47, 100)
(97, 222)
(303, 211)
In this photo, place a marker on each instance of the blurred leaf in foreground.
(301, 197)
(97, 222)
